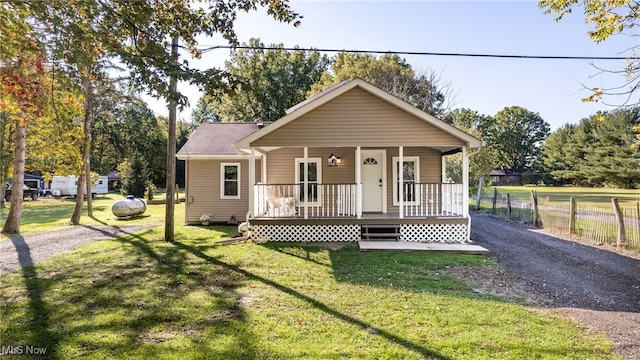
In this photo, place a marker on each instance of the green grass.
(598, 197)
(45, 214)
(139, 297)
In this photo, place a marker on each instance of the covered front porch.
(380, 196)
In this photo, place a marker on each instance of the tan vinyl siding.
(203, 186)
(281, 164)
(358, 118)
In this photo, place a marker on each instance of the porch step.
(380, 232)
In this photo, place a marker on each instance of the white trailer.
(68, 186)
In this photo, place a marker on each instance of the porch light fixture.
(333, 160)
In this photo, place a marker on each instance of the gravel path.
(596, 287)
(27, 250)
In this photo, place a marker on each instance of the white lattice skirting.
(434, 233)
(305, 232)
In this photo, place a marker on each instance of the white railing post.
(401, 181)
(358, 182)
(305, 188)
(252, 181)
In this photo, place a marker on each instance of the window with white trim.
(314, 178)
(230, 181)
(410, 175)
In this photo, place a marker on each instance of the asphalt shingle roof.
(217, 138)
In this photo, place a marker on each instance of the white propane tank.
(128, 207)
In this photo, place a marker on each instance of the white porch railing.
(288, 200)
(433, 199)
(340, 200)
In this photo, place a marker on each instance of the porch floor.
(417, 246)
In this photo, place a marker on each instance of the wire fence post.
(508, 206)
(572, 215)
(534, 206)
(479, 193)
(495, 199)
(621, 238)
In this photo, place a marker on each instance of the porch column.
(252, 181)
(263, 175)
(305, 182)
(465, 190)
(401, 180)
(465, 182)
(358, 182)
(443, 171)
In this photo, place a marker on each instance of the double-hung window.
(410, 172)
(313, 170)
(230, 181)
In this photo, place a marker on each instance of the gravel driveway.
(596, 287)
(27, 250)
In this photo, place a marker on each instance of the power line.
(422, 53)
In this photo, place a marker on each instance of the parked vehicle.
(67, 186)
(28, 191)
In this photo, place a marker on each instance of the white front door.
(373, 180)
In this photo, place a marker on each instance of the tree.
(480, 163)
(137, 33)
(515, 136)
(608, 18)
(135, 175)
(558, 151)
(123, 126)
(599, 151)
(267, 82)
(424, 90)
(610, 160)
(22, 76)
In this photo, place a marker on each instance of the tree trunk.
(169, 233)
(12, 225)
(86, 152)
(2, 164)
(88, 120)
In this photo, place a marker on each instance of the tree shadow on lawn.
(130, 308)
(315, 303)
(39, 323)
(406, 271)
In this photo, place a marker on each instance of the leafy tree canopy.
(269, 81)
(514, 136)
(480, 163)
(391, 73)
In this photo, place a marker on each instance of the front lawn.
(139, 297)
(46, 214)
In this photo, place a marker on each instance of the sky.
(552, 88)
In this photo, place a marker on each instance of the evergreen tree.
(612, 161)
(555, 150)
(135, 176)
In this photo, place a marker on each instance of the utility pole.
(169, 228)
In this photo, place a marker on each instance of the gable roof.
(216, 139)
(339, 89)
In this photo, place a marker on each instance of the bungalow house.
(350, 163)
